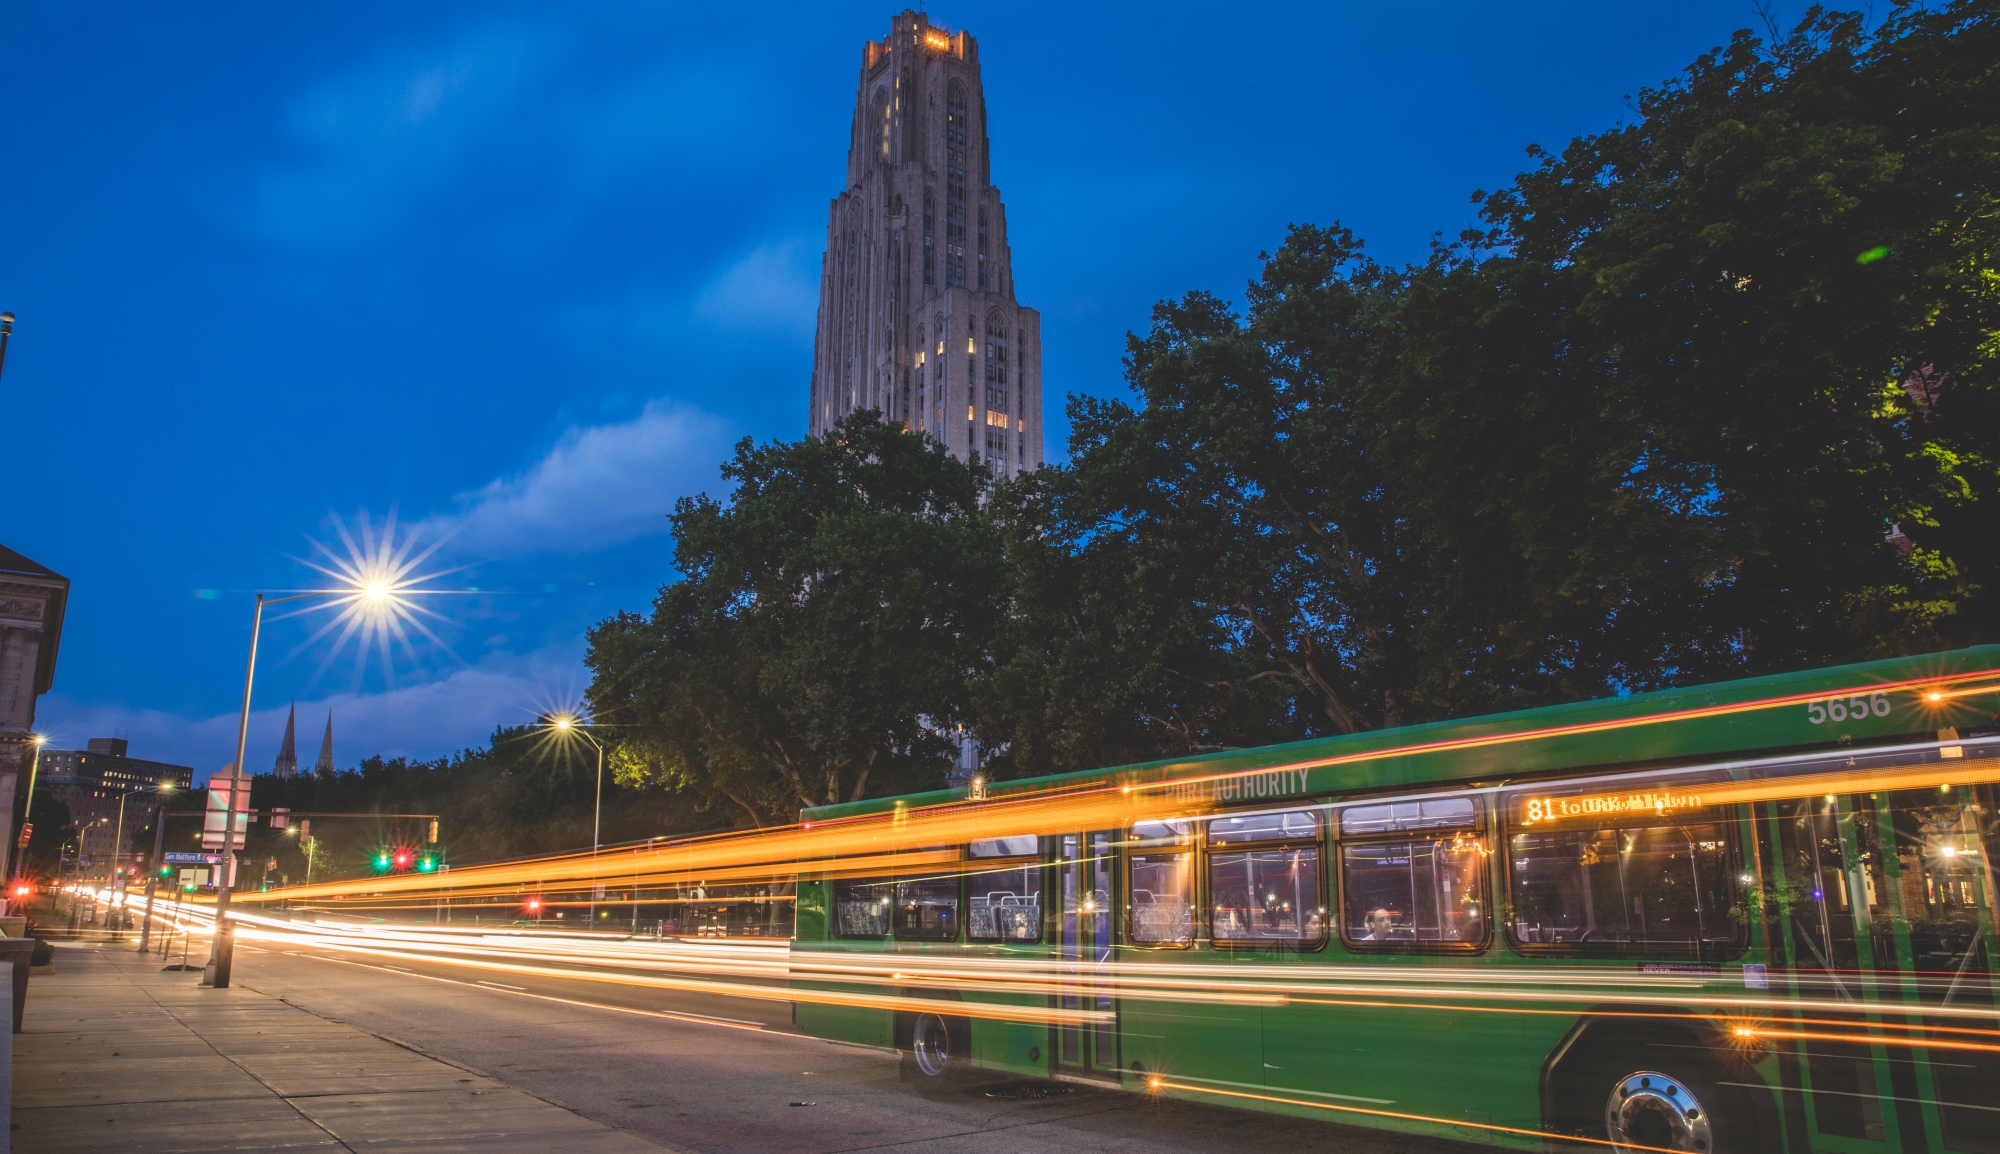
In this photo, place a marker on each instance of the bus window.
(1266, 892)
(1653, 890)
(860, 909)
(1431, 891)
(1408, 816)
(1026, 845)
(1004, 900)
(927, 909)
(1162, 899)
(1301, 824)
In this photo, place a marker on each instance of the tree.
(1785, 275)
(819, 642)
(1651, 427)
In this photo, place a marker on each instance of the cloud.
(599, 486)
(773, 290)
(418, 721)
(366, 143)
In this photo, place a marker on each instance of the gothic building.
(287, 765)
(917, 315)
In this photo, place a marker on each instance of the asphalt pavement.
(715, 1075)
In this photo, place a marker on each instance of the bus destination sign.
(1632, 803)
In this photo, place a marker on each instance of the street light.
(366, 593)
(153, 872)
(38, 740)
(566, 724)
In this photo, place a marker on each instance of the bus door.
(1084, 869)
(1894, 914)
(1841, 937)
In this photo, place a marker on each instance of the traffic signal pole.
(153, 876)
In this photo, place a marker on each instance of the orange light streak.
(1868, 1039)
(1164, 1084)
(904, 838)
(1033, 1015)
(1593, 727)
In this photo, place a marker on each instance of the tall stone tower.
(917, 316)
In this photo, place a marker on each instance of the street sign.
(181, 857)
(216, 825)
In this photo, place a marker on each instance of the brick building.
(91, 781)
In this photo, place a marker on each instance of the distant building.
(90, 781)
(287, 765)
(917, 316)
(324, 766)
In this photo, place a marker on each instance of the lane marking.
(496, 985)
(697, 1019)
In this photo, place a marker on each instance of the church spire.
(324, 766)
(288, 753)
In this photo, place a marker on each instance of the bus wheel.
(936, 1052)
(1648, 1108)
(1670, 1110)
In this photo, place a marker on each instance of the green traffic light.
(382, 861)
(427, 864)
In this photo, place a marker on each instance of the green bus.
(1754, 915)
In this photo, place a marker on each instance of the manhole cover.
(1030, 1091)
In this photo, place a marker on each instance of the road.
(725, 1075)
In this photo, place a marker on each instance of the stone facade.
(33, 599)
(917, 315)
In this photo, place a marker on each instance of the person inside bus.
(1381, 926)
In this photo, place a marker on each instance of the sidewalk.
(116, 1055)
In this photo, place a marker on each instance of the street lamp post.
(159, 859)
(567, 724)
(221, 951)
(27, 813)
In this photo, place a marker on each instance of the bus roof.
(1753, 716)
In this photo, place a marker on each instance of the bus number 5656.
(1841, 708)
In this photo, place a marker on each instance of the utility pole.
(153, 875)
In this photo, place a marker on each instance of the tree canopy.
(1711, 393)
(820, 639)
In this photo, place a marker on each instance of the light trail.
(1164, 1084)
(902, 841)
(1937, 692)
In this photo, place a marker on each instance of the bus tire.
(1668, 1097)
(934, 1052)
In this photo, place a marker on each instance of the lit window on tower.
(954, 184)
(930, 234)
(996, 366)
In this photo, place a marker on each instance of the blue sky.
(522, 273)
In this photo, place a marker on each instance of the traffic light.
(166, 871)
(427, 862)
(402, 859)
(23, 890)
(382, 861)
(534, 905)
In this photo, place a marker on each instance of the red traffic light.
(402, 859)
(534, 904)
(23, 889)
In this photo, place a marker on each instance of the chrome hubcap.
(930, 1042)
(1652, 1109)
